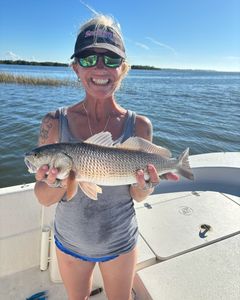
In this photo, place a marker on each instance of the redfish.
(97, 162)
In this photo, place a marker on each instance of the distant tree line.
(56, 64)
(32, 63)
(139, 67)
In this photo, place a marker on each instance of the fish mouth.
(31, 167)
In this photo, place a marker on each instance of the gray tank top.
(99, 228)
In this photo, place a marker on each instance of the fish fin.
(140, 144)
(184, 168)
(103, 138)
(90, 189)
(72, 186)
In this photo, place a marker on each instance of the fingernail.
(53, 171)
(45, 167)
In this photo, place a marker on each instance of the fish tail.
(184, 168)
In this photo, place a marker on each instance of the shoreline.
(57, 64)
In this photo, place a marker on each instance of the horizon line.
(140, 65)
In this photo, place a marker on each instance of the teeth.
(100, 81)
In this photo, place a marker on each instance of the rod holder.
(44, 248)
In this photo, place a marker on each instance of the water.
(196, 109)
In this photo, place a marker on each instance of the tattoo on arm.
(47, 125)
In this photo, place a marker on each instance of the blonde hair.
(103, 21)
(107, 21)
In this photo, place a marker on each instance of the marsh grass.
(20, 79)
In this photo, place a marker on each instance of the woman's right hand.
(44, 188)
(49, 176)
(45, 176)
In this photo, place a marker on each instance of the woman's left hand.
(143, 188)
(153, 177)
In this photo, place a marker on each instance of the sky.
(183, 34)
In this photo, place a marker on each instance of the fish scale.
(108, 166)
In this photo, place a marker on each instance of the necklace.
(89, 125)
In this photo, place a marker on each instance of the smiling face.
(99, 81)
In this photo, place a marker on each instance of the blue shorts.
(85, 258)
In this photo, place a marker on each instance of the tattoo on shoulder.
(47, 125)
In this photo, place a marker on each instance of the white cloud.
(162, 45)
(142, 45)
(12, 55)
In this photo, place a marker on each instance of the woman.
(103, 231)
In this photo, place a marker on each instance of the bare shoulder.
(49, 129)
(143, 127)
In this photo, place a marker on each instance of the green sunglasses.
(91, 60)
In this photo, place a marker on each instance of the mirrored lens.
(88, 61)
(112, 62)
(91, 60)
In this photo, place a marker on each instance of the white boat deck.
(209, 273)
(174, 262)
(26, 283)
(189, 245)
(23, 284)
